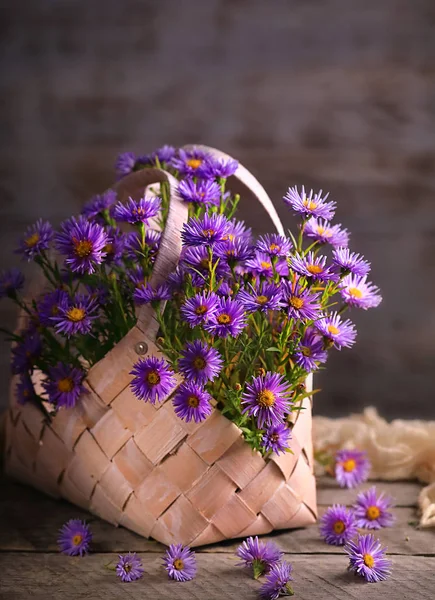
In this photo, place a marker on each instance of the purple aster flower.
(300, 303)
(129, 567)
(196, 260)
(26, 352)
(310, 351)
(165, 154)
(339, 333)
(200, 308)
(357, 291)
(83, 243)
(276, 438)
(208, 230)
(153, 379)
(36, 239)
(176, 279)
(180, 562)
(74, 538)
(98, 204)
(191, 163)
(125, 164)
(225, 289)
(313, 266)
(76, 315)
(234, 251)
(25, 392)
(220, 167)
(338, 525)
(144, 160)
(11, 281)
(137, 211)
(145, 293)
(200, 192)
(116, 245)
(238, 230)
(137, 276)
(367, 558)
(99, 293)
(192, 402)
(258, 555)
(371, 511)
(350, 262)
(200, 362)
(274, 245)
(228, 319)
(64, 385)
(260, 265)
(352, 467)
(265, 297)
(278, 582)
(325, 233)
(266, 399)
(311, 204)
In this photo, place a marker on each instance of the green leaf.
(273, 349)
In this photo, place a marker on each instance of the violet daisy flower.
(309, 204)
(26, 352)
(133, 243)
(25, 392)
(278, 582)
(192, 402)
(220, 167)
(124, 164)
(350, 262)
(83, 243)
(191, 163)
(75, 315)
(116, 245)
(265, 297)
(98, 204)
(227, 320)
(340, 333)
(11, 281)
(64, 385)
(338, 525)
(153, 379)
(238, 230)
(196, 260)
(234, 251)
(145, 293)
(274, 245)
(310, 351)
(208, 230)
(357, 291)
(200, 308)
(165, 154)
(371, 510)
(136, 275)
(300, 303)
(276, 438)
(74, 538)
(260, 265)
(200, 192)
(367, 558)
(137, 211)
(36, 239)
(266, 399)
(129, 567)
(258, 555)
(200, 362)
(325, 233)
(313, 266)
(180, 562)
(352, 467)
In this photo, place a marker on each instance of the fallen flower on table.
(352, 467)
(338, 525)
(129, 567)
(278, 582)
(74, 538)
(180, 562)
(258, 555)
(371, 510)
(367, 558)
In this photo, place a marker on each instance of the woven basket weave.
(139, 465)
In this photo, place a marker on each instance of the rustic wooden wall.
(330, 93)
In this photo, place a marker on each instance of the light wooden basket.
(139, 465)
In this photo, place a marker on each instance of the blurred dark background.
(336, 94)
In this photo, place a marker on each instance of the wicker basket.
(138, 465)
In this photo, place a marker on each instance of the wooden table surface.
(31, 566)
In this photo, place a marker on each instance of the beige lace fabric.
(397, 450)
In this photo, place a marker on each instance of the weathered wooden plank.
(316, 578)
(405, 493)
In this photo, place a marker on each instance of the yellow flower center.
(224, 319)
(369, 561)
(325, 232)
(229, 237)
(127, 568)
(208, 232)
(373, 513)
(193, 401)
(296, 302)
(314, 269)
(306, 351)
(178, 564)
(265, 265)
(339, 527)
(204, 264)
(266, 398)
(199, 363)
(32, 240)
(349, 465)
(194, 163)
(152, 378)
(65, 385)
(76, 314)
(355, 292)
(262, 300)
(139, 211)
(77, 539)
(108, 248)
(333, 329)
(82, 248)
(201, 309)
(309, 204)
(274, 247)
